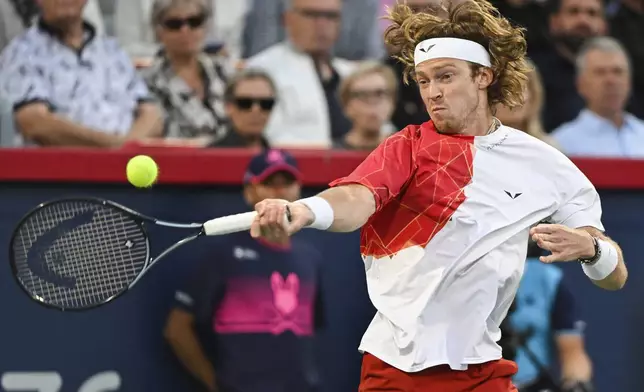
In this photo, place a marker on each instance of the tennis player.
(446, 209)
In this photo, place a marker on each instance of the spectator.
(18, 15)
(368, 97)
(547, 323)
(572, 22)
(527, 117)
(70, 87)
(260, 301)
(603, 129)
(189, 84)
(410, 108)
(250, 97)
(627, 25)
(360, 37)
(308, 112)
(139, 40)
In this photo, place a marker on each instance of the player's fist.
(564, 243)
(277, 218)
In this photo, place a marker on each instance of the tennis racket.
(77, 254)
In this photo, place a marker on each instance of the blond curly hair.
(474, 20)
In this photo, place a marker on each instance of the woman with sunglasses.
(188, 82)
(249, 97)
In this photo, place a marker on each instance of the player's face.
(281, 185)
(371, 102)
(313, 25)
(605, 81)
(450, 91)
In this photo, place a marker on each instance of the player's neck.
(480, 123)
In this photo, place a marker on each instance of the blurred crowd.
(293, 73)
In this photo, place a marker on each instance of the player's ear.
(486, 77)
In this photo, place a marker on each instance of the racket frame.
(138, 218)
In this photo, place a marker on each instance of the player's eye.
(446, 77)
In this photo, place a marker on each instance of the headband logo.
(427, 49)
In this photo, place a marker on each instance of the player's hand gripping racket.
(75, 254)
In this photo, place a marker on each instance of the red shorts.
(493, 376)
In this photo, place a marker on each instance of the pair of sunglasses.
(247, 103)
(176, 24)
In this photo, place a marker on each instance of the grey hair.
(160, 7)
(247, 74)
(602, 44)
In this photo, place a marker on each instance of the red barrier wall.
(212, 166)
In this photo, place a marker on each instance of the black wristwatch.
(598, 254)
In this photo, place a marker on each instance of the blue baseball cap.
(269, 162)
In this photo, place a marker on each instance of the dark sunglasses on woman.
(247, 103)
(175, 24)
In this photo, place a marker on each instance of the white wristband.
(322, 211)
(605, 265)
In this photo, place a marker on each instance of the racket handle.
(233, 223)
(229, 224)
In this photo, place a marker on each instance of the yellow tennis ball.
(142, 171)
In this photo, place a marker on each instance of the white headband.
(453, 48)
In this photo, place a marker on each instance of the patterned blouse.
(187, 115)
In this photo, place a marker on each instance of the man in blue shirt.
(257, 302)
(546, 319)
(603, 128)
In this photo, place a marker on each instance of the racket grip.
(229, 224)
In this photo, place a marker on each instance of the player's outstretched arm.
(607, 269)
(344, 208)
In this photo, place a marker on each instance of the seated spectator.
(360, 37)
(368, 97)
(603, 129)
(188, 83)
(70, 87)
(250, 97)
(572, 22)
(627, 26)
(18, 15)
(527, 117)
(307, 76)
(139, 40)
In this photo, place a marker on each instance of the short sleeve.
(580, 205)
(387, 169)
(204, 289)
(565, 315)
(22, 79)
(136, 86)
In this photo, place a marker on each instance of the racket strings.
(91, 253)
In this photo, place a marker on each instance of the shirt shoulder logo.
(513, 195)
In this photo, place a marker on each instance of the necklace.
(495, 125)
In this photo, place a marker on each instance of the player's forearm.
(187, 348)
(148, 122)
(50, 129)
(617, 279)
(352, 206)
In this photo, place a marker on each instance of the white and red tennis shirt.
(445, 250)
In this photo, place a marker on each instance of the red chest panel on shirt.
(441, 167)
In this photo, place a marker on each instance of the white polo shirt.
(445, 250)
